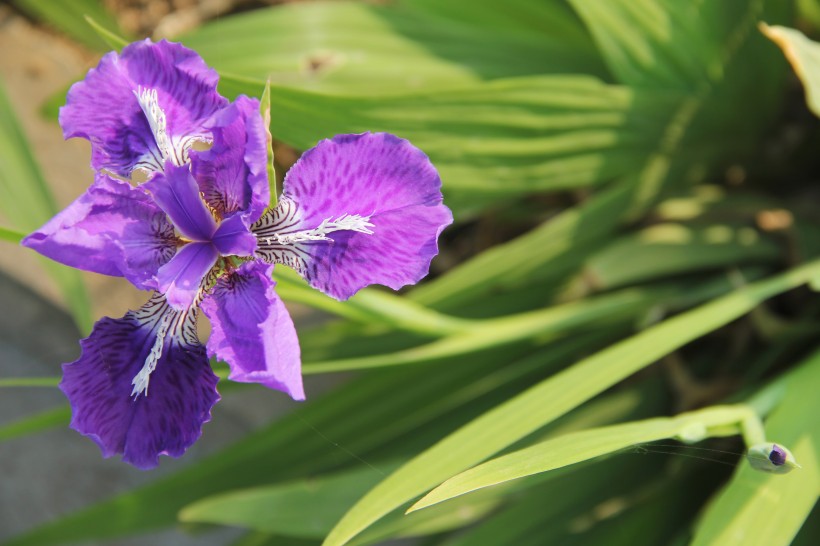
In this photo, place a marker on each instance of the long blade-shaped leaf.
(392, 420)
(552, 18)
(764, 510)
(638, 38)
(584, 445)
(303, 509)
(534, 133)
(804, 56)
(709, 110)
(364, 49)
(544, 402)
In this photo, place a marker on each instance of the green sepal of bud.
(772, 458)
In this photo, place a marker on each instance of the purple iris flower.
(355, 210)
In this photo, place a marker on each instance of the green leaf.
(72, 18)
(543, 325)
(809, 534)
(113, 40)
(804, 56)
(764, 509)
(364, 49)
(36, 423)
(675, 249)
(517, 135)
(457, 515)
(29, 382)
(535, 516)
(266, 539)
(704, 106)
(705, 54)
(551, 398)
(552, 18)
(809, 10)
(653, 515)
(372, 306)
(309, 508)
(563, 243)
(581, 446)
(639, 38)
(11, 235)
(305, 509)
(26, 203)
(317, 438)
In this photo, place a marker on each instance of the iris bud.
(772, 458)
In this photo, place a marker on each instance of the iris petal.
(181, 278)
(232, 173)
(381, 186)
(176, 192)
(252, 331)
(104, 108)
(233, 238)
(165, 421)
(113, 229)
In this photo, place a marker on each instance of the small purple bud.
(778, 455)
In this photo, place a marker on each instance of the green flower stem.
(718, 421)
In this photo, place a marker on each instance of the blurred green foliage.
(625, 192)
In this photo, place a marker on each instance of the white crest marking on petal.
(140, 381)
(280, 239)
(149, 103)
(345, 222)
(169, 325)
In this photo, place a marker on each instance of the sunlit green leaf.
(587, 444)
(766, 509)
(804, 56)
(580, 489)
(555, 396)
(515, 135)
(309, 440)
(552, 18)
(366, 49)
(303, 509)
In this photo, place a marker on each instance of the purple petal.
(177, 193)
(376, 177)
(233, 238)
(113, 229)
(777, 456)
(399, 252)
(103, 108)
(232, 173)
(252, 331)
(181, 278)
(166, 420)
